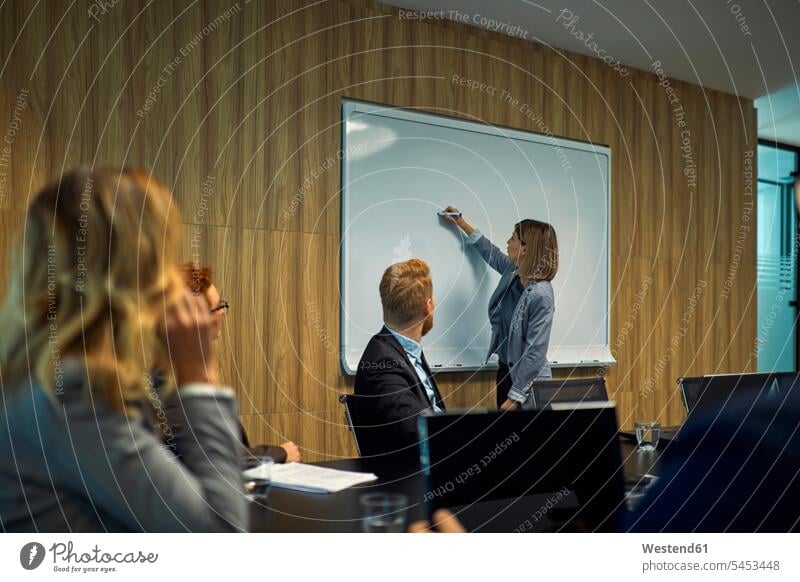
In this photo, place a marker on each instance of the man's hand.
(443, 522)
(509, 405)
(292, 452)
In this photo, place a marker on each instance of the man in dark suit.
(394, 383)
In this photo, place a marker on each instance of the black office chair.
(719, 391)
(349, 401)
(546, 393)
(690, 390)
(376, 441)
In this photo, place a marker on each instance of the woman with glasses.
(199, 280)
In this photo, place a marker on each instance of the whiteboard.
(399, 167)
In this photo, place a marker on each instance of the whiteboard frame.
(407, 114)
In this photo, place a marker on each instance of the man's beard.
(427, 325)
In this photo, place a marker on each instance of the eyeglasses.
(223, 305)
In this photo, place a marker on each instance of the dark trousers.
(504, 383)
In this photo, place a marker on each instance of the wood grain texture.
(237, 107)
(10, 224)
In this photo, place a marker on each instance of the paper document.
(311, 478)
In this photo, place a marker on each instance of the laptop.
(529, 470)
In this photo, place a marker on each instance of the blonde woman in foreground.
(95, 295)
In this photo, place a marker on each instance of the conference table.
(292, 511)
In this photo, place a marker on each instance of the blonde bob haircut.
(540, 262)
(92, 274)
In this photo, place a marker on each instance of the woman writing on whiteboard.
(522, 306)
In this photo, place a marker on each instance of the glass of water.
(384, 512)
(647, 434)
(258, 476)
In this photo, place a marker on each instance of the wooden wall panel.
(10, 224)
(324, 434)
(236, 106)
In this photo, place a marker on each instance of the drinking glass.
(647, 434)
(384, 512)
(258, 475)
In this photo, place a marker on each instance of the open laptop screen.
(472, 458)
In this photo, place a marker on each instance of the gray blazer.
(529, 338)
(498, 261)
(81, 467)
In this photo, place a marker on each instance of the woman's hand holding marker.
(453, 214)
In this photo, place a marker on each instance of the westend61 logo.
(65, 559)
